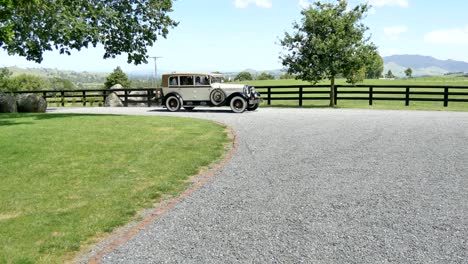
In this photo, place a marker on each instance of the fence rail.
(84, 97)
(300, 93)
(370, 93)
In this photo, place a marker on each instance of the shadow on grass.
(7, 119)
(10, 123)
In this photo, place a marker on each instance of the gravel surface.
(321, 186)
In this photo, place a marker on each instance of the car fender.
(228, 99)
(170, 94)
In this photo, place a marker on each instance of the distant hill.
(422, 65)
(76, 77)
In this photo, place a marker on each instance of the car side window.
(202, 80)
(173, 80)
(186, 80)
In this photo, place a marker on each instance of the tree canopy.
(265, 76)
(375, 67)
(22, 82)
(243, 76)
(330, 40)
(4, 78)
(30, 82)
(409, 72)
(287, 76)
(61, 84)
(389, 75)
(28, 28)
(117, 77)
(27, 82)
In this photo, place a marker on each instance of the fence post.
(126, 98)
(149, 93)
(269, 96)
(44, 95)
(407, 96)
(104, 96)
(446, 94)
(300, 96)
(62, 93)
(335, 94)
(84, 98)
(371, 95)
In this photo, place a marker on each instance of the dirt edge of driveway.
(93, 253)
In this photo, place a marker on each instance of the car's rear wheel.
(238, 104)
(253, 107)
(189, 108)
(173, 103)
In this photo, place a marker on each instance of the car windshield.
(217, 78)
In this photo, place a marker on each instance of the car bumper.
(255, 101)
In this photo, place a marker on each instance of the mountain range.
(422, 65)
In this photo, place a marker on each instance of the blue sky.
(232, 35)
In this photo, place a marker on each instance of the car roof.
(188, 73)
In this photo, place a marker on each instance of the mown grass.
(66, 179)
(377, 104)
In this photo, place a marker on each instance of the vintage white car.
(189, 90)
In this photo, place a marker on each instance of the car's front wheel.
(238, 104)
(173, 103)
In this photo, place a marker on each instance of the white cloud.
(380, 3)
(393, 33)
(304, 3)
(259, 3)
(457, 36)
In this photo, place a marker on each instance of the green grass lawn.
(377, 104)
(67, 179)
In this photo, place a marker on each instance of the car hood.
(227, 86)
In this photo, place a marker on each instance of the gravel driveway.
(321, 186)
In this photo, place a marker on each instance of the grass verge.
(68, 178)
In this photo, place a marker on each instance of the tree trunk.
(332, 92)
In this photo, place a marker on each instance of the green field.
(377, 104)
(67, 179)
(434, 80)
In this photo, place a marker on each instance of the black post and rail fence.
(146, 96)
(370, 93)
(300, 93)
